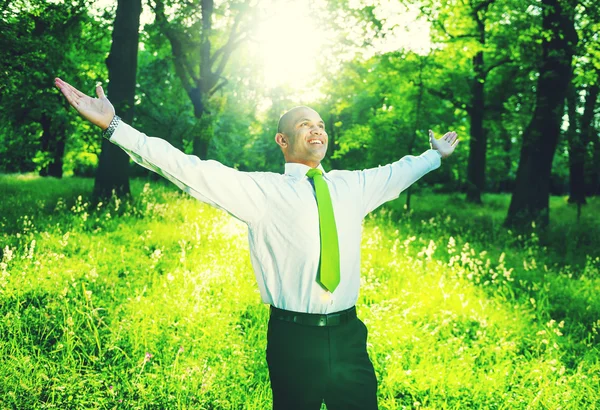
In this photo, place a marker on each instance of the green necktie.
(329, 266)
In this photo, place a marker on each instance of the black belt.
(315, 319)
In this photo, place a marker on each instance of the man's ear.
(281, 140)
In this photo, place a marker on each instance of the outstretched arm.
(382, 184)
(211, 182)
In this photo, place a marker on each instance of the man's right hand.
(99, 111)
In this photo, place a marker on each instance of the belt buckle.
(322, 321)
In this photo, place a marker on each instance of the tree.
(40, 41)
(200, 65)
(579, 136)
(530, 199)
(470, 30)
(582, 97)
(112, 174)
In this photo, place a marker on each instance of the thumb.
(431, 135)
(100, 91)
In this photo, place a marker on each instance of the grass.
(152, 304)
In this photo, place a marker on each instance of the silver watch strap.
(111, 127)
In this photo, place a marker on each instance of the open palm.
(99, 111)
(445, 145)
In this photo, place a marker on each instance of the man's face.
(304, 133)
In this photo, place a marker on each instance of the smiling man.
(302, 137)
(304, 231)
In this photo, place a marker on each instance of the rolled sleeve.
(236, 192)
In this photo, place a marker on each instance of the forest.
(517, 80)
(111, 281)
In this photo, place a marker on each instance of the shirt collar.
(299, 170)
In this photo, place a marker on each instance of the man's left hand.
(445, 145)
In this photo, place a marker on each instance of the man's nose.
(317, 130)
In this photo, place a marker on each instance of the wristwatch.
(111, 127)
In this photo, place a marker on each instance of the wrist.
(112, 126)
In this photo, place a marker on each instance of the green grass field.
(152, 304)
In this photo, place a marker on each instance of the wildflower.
(148, 357)
(451, 245)
(31, 250)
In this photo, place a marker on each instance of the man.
(304, 230)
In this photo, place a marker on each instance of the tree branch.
(483, 5)
(224, 53)
(222, 84)
(185, 74)
(497, 64)
(446, 96)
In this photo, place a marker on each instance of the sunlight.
(407, 29)
(289, 43)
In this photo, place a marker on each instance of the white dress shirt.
(281, 214)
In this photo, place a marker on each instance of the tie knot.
(312, 172)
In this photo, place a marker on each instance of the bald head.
(287, 120)
(302, 137)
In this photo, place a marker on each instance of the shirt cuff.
(439, 153)
(111, 127)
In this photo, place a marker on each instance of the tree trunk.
(579, 138)
(200, 148)
(333, 137)
(576, 151)
(411, 142)
(53, 145)
(596, 165)
(201, 141)
(530, 199)
(587, 123)
(478, 143)
(113, 167)
(505, 181)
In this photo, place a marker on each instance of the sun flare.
(291, 40)
(289, 43)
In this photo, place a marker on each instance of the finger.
(100, 91)
(71, 98)
(75, 91)
(431, 135)
(70, 88)
(455, 143)
(68, 92)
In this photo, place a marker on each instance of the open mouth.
(315, 142)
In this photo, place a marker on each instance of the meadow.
(152, 303)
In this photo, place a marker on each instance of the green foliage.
(152, 303)
(84, 164)
(44, 40)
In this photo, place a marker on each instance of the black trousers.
(311, 364)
